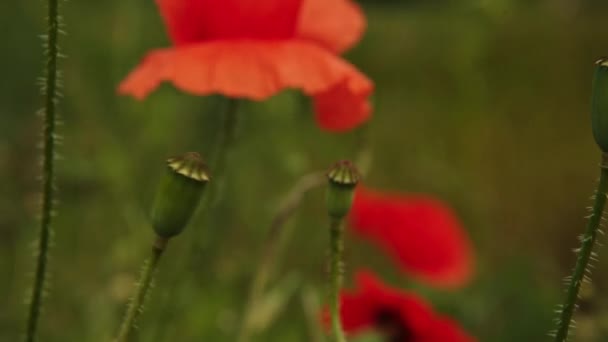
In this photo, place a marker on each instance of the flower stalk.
(335, 273)
(226, 135)
(342, 179)
(143, 285)
(48, 169)
(585, 254)
(599, 127)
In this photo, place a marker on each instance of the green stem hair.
(335, 273)
(48, 169)
(585, 253)
(145, 281)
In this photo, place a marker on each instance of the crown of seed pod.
(599, 104)
(343, 178)
(179, 193)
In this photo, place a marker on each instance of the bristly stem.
(49, 135)
(145, 281)
(584, 254)
(335, 273)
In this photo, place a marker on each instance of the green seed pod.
(599, 104)
(178, 194)
(343, 178)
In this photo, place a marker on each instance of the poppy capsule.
(343, 178)
(178, 194)
(599, 104)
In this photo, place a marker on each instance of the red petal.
(421, 233)
(360, 307)
(335, 24)
(412, 309)
(356, 312)
(191, 21)
(344, 106)
(257, 70)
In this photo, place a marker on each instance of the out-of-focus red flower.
(398, 315)
(420, 233)
(254, 49)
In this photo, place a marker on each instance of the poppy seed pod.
(343, 178)
(599, 104)
(178, 194)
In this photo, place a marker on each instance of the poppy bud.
(599, 104)
(179, 193)
(343, 177)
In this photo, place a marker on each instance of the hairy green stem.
(335, 274)
(271, 247)
(584, 254)
(145, 281)
(50, 90)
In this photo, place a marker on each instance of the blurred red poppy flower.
(420, 233)
(398, 315)
(254, 49)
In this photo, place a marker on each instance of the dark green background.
(482, 103)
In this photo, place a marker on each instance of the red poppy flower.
(398, 315)
(254, 49)
(420, 233)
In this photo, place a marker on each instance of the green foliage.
(488, 110)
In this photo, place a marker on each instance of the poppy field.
(304, 170)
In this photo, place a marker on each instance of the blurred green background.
(484, 104)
